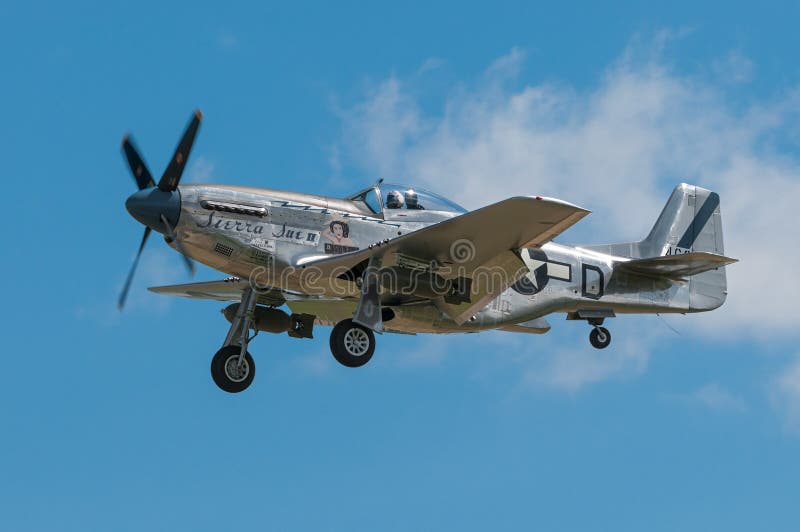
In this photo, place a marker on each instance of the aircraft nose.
(148, 205)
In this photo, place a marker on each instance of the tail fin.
(691, 222)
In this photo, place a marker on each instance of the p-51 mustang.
(398, 259)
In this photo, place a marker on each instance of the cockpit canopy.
(391, 198)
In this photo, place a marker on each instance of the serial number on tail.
(675, 250)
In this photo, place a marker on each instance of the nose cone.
(148, 205)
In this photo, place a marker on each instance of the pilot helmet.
(412, 202)
(394, 200)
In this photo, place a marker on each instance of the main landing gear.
(232, 367)
(352, 345)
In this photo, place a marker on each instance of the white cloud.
(381, 127)
(430, 353)
(734, 68)
(508, 65)
(570, 368)
(616, 148)
(716, 397)
(785, 395)
(200, 170)
(158, 265)
(430, 64)
(561, 361)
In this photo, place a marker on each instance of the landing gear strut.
(352, 345)
(232, 367)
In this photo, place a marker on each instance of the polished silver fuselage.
(274, 230)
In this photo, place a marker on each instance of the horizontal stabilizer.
(676, 266)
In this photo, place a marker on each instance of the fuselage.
(261, 234)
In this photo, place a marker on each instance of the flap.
(675, 266)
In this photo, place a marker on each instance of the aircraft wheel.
(351, 344)
(600, 337)
(228, 374)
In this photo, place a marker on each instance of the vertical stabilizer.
(691, 221)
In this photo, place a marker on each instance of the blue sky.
(111, 421)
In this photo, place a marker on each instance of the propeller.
(139, 170)
(172, 175)
(166, 185)
(172, 237)
(124, 295)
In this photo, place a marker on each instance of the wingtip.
(198, 114)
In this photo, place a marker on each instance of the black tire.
(600, 337)
(351, 344)
(224, 362)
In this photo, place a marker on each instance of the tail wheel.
(600, 338)
(352, 345)
(228, 373)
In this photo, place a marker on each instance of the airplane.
(394, 258)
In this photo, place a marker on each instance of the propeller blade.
(172, 175)
(171, 234)
(140, 172)
(124, 295)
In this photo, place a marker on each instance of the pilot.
(412, 202)
(394, 200)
